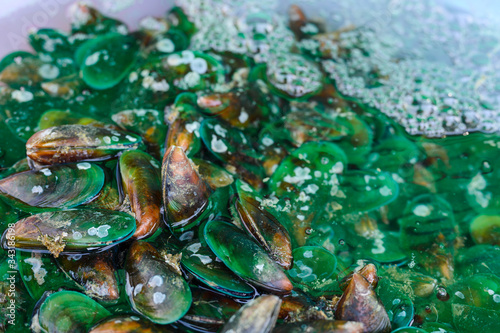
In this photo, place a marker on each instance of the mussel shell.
(366, 190)
(154, 290)
(56, 187)
(209, 311)
(141, 181)
(185, 193)
(147, 123)
(314, 270)
(67, 311)
(265, 228)
(360, 303)
(214, 175)
(94, 273)
(53, 118)
(485, 229)
(233, 147)
(124, 323)
(40, 274)
(201, 262)
(107, 59)
(70, 231)
(257, 316)
(244, 257)
(73, 143)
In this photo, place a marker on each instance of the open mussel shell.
(56, 187)
(263, 226)
(153, 288)
(70, 231)
(73, 143)
(185, 193)
(141, 182)
(257, 316)
(360, 303)
(67, 311)
(244, 257)
(94, 273)
(202, 263)
(125, 323)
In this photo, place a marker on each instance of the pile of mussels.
(279, 205)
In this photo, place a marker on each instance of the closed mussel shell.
(127, 324)
(257, 316)
(73, 143)
(154, 289)
(244, 257)
(56, 187)
(67, 311)
(201, 261)
(70, 231)
(94, 273)
(141, 182)
(185, 193)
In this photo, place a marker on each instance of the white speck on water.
(133, 77)
(217, 145)
(204, 259)
(48, 71)
(38, 271)
(160, 86)
(243, 117)
(267, 141)
(130, 138)
(101, 231)
(422, 210)
(158, 297)
(301, 217)
(496, 298)
(46, 172)
(245, 187)
(165, 45)
(460, 295)
(337, 167)
(77, 235)
(83, 166)
(174, 60)
(194, 126)
(385, 191)
(92, 59)
(220, 130)
(311, 188)
(37, 189)
(107, 140)
(155, 281)
(194, 247)
(199, 65)
(22, 96)
(308, 254)
(138, 289)
(260, 267)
